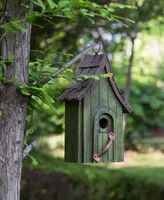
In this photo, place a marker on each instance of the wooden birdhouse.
(94, 115)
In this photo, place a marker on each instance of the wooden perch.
(28, 148)
(70, 63)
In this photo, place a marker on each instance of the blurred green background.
(136, 55)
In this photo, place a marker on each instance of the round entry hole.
(103, 123)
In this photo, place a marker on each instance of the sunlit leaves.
(51, 4)
(40, 4)
(18, 26)
(30, 131)
(34, 161)
(121, 6)
(13, 26)
(1, 74)
(8, 28)
(67, 9)
(64, 4)
(96, 77)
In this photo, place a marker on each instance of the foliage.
(69, 33)
(99, 182)
(68, 36)
(41, 69)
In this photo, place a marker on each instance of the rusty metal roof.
(93, 65)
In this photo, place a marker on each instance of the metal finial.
(97, 51)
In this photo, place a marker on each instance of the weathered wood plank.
(71, 132)
(87, 134)
(100, 144)
(95, 107)
(80, 136)
(104, 93)
(105, 141)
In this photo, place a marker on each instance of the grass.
(141, 166)
(139, 178)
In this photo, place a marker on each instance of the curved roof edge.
(126, 107)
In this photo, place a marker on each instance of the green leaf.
(34, 105)
(51, 4)
(34, 161)
(119, 17)
(106, 75)
(28, 118)
(9, 59)
(0, 113)
(68, 13)
(63, 3)
(24, 90)
(115, 19)
(37, 51)
(40, 3)
(8, 28)
(1, 73)
(30, 131)
(91, 20)
(121, 6)
(19, 26)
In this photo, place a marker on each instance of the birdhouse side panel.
(73, 131)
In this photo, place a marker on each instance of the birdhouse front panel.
(102, 114)
(94, 115)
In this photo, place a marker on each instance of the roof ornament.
(99, 48)
(96, 51)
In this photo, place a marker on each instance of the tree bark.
(127, 89)
(128, 80)
(13, 106)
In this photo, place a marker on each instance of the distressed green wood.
(95, 107)
(72, 131)
(87, 132)
(84, 137)
(107, 101)
(100, 144)
(105, 141)
(80, 132)
(112, 102)
(102, 114)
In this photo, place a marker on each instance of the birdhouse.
(94, 115)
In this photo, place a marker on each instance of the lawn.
(140, 177)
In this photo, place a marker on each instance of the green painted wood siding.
(73, 132)
(100, 97)
(84, 137)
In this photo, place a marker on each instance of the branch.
(69, 64)
(28, 148)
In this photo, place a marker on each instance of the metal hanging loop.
(99, 48)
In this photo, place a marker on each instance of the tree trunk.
(13, 106)
(128, 80)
